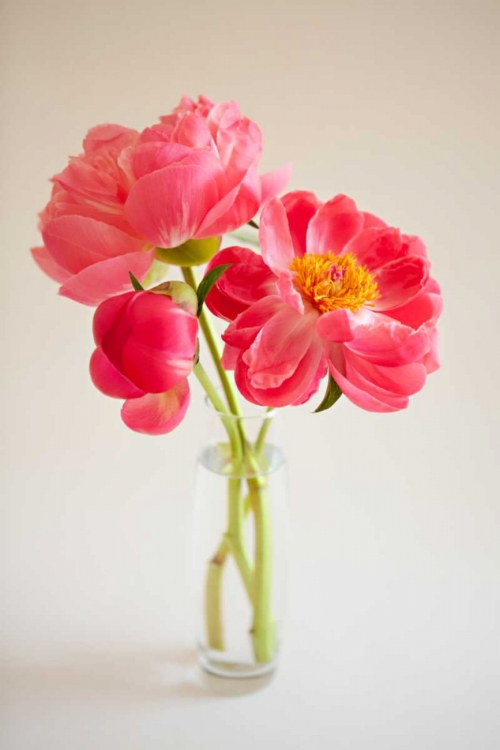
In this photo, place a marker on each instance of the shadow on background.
(138, 675)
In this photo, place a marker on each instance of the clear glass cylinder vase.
(240, 545)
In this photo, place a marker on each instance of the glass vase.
(240, 545)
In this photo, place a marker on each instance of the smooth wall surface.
(394, 604)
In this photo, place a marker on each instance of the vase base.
(215, 663)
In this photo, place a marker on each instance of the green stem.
(211, 339)
(263, 625)
(220, 407)
(235, 534)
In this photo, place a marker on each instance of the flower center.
(332, 281)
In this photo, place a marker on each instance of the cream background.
(393, 625)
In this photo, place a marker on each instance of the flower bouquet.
(330, 294)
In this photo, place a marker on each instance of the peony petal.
(107, 278)
(300, 207)
(372, 221)
(273, 183)
(168, 206)
(274, 236)
(109, 138)
(48, 265)
(75, 242)
(333, 225)
(431, 360)
(288, 292)
(246, 281)
(243, 330)
(107, 313)
(108, 380)
(425, 307)
(400, 281)
(149, 157)
(375, 247)
(192, 131)
(403, 381)
(314, 385)
(240, 147)
(354, 393)
(157, 414)
(383, 341)
(337, 326)
(280, 345)
(229, 356)
(92, 183)
(235, 209)
(290, 391)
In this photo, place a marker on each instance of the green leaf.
(136, 284)
(333, 393)
(207, 283)
(253, 224)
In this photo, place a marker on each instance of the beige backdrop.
(393, 625)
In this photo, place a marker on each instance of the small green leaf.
(253, 224)
(333, 393)
(136, 284)
(207, 283)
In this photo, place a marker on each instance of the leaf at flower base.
(207, 283)
(135, 283)
(333, 393)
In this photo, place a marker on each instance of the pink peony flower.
(145, 351)
(197, 174)
(114, 208)
(89, 246)
(336, 289)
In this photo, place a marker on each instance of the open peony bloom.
(132, 197)
(145, 351)
(335, 289)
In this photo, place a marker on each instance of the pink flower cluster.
(191, 176)
(334, 291)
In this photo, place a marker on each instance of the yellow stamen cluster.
(332, 281)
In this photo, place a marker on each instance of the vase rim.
(264, 413)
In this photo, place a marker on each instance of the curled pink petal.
(242, 332)
(275, 182)
(75, 242)
(289, 391)
(157, 413)
(229, 356)
(107, 278)
(279, 347)
(314, 384)
(108, 380)
(359, 395)
(149, 157)
(386, 342)
(168, 205)
(404, 380)
(425, 307)
(274, 236)
(247, 280)
(235, 209)
(400, 281)
(288, 292)
(48, 265)
(375, 247)
(300, 207)
(333, 225)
